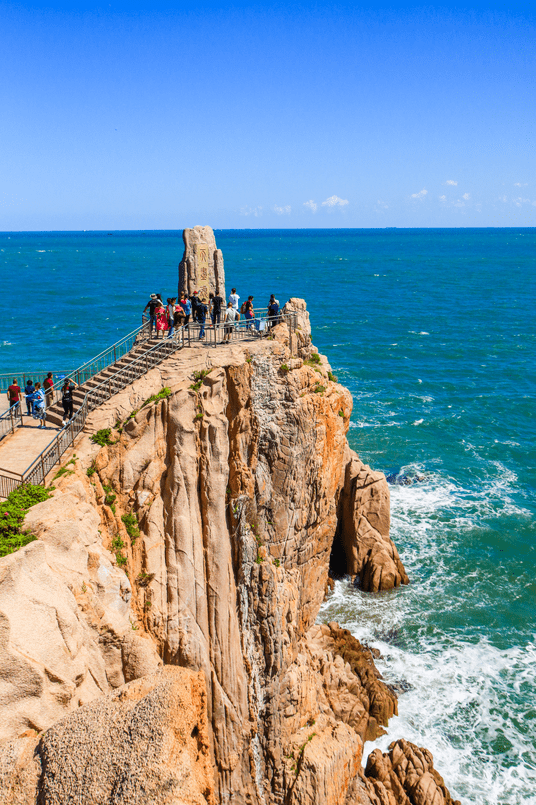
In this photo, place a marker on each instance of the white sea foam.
(469, 701)
(418, 421)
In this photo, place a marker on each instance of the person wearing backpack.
(48, 385)
(28, 391)
(247, 310)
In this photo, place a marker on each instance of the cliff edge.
(197, 541)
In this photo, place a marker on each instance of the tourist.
(48, 385)
(161, 320)
(151, 306)
(14, 393)
(170, 308)
(202, 311)
(231, 317)
(38, 399)
(179, 317)
(247, 310)
(273, 312)
(233, 298)
(215, 303)
(67, 400)
(29, 390)
(187, 307)
(195, 300)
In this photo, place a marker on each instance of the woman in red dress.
(161, 320)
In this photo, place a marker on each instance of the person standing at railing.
(48, 385)
(67, 400)
(215, 308)
(178, 319)
(170, 307)
(231, 317)
(247, 310)
(202, 311)
(273, 312)
(195, 300)
(38, 399)
(186, 306)
(151, 306)
(14, 393)
(28, 391)
(161, 320)
(233, 299)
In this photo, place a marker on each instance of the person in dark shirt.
(194, 299)
(151, 306)
(28, 391)
(215, 304)
(67, 400)
(14, 393)
(202, 311)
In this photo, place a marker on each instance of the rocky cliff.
(198, 540)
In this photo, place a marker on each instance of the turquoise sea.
(434, 333)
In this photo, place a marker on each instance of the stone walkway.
(18, 450)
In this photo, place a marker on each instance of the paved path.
(19, 449)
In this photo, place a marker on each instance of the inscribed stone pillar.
(201, 267)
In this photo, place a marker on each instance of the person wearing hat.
(151, 306)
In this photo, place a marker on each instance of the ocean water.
(434, 333)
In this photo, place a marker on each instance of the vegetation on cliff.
(13, 511)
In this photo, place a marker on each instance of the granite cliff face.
(244, 490)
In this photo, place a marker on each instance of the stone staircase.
(54, 414)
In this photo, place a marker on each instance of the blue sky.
(250, 115)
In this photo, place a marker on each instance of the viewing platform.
(28, 453)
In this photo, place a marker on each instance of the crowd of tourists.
(166, 318)
(40, 396)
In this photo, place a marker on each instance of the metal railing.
(184, 336)
(10, 419)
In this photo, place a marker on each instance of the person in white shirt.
(231, 317)
(233, 298)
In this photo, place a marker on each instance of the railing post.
(43, 470)
(115, 359)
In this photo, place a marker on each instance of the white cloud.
(520, 184)
(442, 198)
(282, 210)
(382, 205)
(421, 194)
(311, 204)
(520, 201)
(335, 201)
(466, 196)
(256, 211)
(451, 181)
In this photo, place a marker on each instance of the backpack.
(243, 307)
(273, 309)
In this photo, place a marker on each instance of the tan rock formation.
(239, 486)
(405, 776)
(145, 744)
(363, 538)
(201, 267)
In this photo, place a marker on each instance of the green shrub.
(332, 377)
(341, 412)
(117, 548)
(131, 524)
(91, 470)
(198, 378)
(102, 437)
(12, 513)
(318, 389)
(110, 495)
(284, 367)
(313, 360)
(163, 394)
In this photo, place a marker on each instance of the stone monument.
(201, 267)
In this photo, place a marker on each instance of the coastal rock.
(198, 274)
(243, 487)
(362, 544)
(405, 776)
